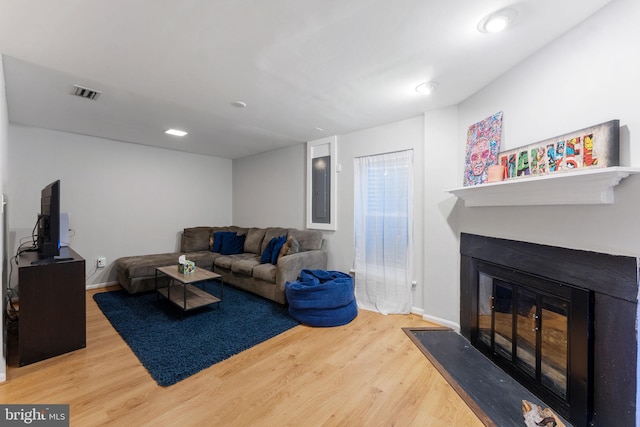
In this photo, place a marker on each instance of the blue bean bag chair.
(322, 298)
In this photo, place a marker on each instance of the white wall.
(269, 189)
(4, 179)
(123, 199)
(441, 269)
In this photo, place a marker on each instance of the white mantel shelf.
(584, 187)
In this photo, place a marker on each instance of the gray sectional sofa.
(303, 249)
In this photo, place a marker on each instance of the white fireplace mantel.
(583, 187)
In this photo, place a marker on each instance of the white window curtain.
(383, 226)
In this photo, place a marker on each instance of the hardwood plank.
(365, 373)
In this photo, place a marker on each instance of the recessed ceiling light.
(427, 88)
(497, 21)
(239, 104)
(319, 129)
(175, 132)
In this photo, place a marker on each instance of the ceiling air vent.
(85, 92)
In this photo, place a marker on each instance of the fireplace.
(540, 332)
(560, 321)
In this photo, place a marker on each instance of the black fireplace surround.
(603, 388)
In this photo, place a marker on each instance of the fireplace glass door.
(523, 325)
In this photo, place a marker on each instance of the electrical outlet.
(101, 262)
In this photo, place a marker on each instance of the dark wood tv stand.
(52, 318)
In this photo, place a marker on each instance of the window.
(383, 224)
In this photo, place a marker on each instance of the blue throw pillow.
(280, 241)
(233, 244)
(219, 237)
(266, 254)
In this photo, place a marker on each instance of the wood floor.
(367, 373)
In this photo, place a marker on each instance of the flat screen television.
(48, 242)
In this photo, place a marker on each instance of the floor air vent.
(85, 92)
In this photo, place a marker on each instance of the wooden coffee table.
(190, 296)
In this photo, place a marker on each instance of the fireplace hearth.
(560, 321)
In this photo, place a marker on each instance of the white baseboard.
(100, 285)
(417, 311)
(443, 322)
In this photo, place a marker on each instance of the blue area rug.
(173, 345)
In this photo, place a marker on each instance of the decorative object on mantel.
(483, 145)
(593, 147)
(496, 173)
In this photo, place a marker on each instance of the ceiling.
(305, 68)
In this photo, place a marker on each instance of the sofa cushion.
(202, 259)
(308, 239)
(215, 255)
(195, 239)
(219, 237)
(245, 266)
(253, 242)
(232, 244)
(144, 265)
(226, 261)
(265, 272)
(223, 261)
(239, 230)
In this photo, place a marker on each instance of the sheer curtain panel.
(383, 228)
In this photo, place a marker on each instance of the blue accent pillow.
(266, 254)
(280, 241)
(233, 244)
(219, 237)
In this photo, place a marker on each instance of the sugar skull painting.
(483, 145)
